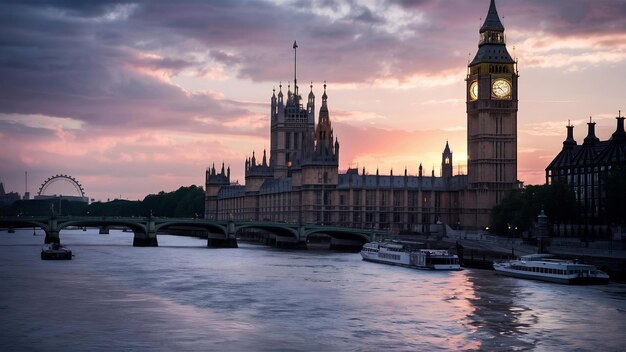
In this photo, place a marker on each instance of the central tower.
(292, 127)
(492, 113)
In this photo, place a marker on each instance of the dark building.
(7, 198)
(586, 167)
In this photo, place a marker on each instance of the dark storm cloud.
(79, 8)
(100, 61)
(413, 4)
(70, 60)
(365, 15)
(570, 17)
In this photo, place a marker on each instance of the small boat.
(409, 254)
(546, 268)
(55, 251)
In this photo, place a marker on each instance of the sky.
(136, 97)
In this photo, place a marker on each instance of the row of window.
(394, 249)
(384, 198)
(442, 261)
(549, 270)
(389, 256)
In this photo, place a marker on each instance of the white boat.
(409, 254)
(55, 251)
(544, 267)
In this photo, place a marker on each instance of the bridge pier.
(104, 230)
(270, 240)
(222, 243)
(52, 236)
(288, 242)
(216, 240)
(227, 240)
(145, 239)
(345, 245)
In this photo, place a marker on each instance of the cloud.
(94, 81)
(444, 101)
(573, 53)
(373, 147)
(62, 61)
(356, 116)
(42, 121)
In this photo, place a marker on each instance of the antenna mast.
(295, 79)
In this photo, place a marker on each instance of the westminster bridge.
(219, 233)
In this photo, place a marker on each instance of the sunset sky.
(132, 98)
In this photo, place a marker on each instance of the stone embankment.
(479, 249)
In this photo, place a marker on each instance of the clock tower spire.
(492, 102)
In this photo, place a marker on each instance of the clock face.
(473, 90)
(501, 88)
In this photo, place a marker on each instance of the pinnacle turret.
(446, 150)
(492, 43)
(492, 21)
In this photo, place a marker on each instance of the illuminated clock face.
(501, 88)
(473, 90)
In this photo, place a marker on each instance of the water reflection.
(499, 317)
(182, 296)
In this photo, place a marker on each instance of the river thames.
(183, 296)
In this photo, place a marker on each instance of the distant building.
(300, 182)
(585, 167)
(7, 198)
(63, 197)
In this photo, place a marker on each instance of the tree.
(520, 208)
(185, 202)
(511, 212)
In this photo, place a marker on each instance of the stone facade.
(301, 183)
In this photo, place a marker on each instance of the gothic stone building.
(300, 182)
(586, 167)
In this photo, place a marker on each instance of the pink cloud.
(94, 92)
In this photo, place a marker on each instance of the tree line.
(185, 202)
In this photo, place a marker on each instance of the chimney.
(591, 134)
(619, 133)
(569, 141)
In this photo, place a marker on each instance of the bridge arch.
(24, 223)
(135, 226)
(278, 230)
(340, 233)
(211, 227)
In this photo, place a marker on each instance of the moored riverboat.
(545, 267)
(55, 251)
(409, 254)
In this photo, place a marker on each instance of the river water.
(183, 296)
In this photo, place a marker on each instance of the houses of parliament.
(299, 181)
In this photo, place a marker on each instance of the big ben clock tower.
(491, 118)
